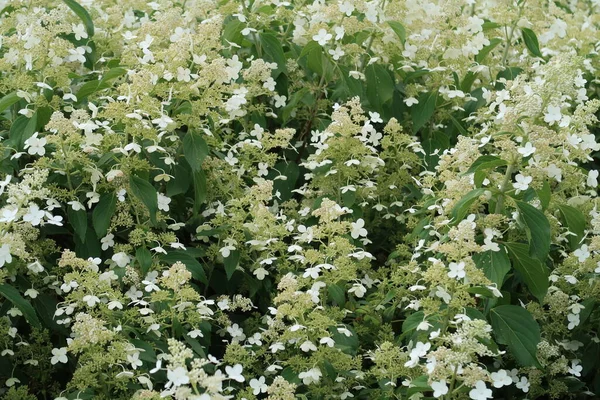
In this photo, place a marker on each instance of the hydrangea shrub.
(273, 199)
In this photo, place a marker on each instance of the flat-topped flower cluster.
(267, 199)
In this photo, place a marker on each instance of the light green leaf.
(83, 15)
(144, 191)
(534, 273)
(399, 29)
(13, 295)
(538, 230)
(421, 113)
(8, 101)
(515, 327)
(487, 49)
(103, 213)
(544, 195)
(195, 149)
(575, 222)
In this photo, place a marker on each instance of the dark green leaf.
(190, 262)
(534, 273)
(337, 294)
(538, 230)
(380, 87)
(515, 327)
(195, 149)
(83, 15)
(103, 213)
(144, 259)
(231, 262)
(200, 190)
(495, 265)
(13, 295)
(487, 49)
(485, 162)
(531, 41)
(462, 206)
(144, 191)
(421, 113)
(544, 195)
(575, 222)
(273, 52)
(78, 219)
(291, 171)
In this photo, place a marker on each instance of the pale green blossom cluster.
(327, 199)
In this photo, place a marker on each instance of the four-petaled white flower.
(35, 145)
(258, 386)
(582, 253)
(121, 259)
(575, 368)
(358, 229)
(313, 375)
(592, 179)
(522, 182)
(501, 378)
(523, 384)
(358, 289)
(552, 115)
(480, 391)
(235, 372)
(279, 101)
(322, 37)
(5, 256)
(79, 31)
(163, 202)
(526, 150)
(457, 270)
(34, 215)
(177, 376)
(440, 388)
(59, 356)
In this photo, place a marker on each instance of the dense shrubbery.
(268, 199)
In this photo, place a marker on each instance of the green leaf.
(487, 49)
(8, 101)
(180, 182)
(195, 149)
(337, 294)
(544, 195)
(273, 52)
(485, 162)
(144, 258)
(78, 219)
(200, 189)
(462, 206)
(538, 230)
(534, 273)
(399, 29)
(412, 321)
(13, 295)
(380, 87)
(531, 41)
(231, 262)
(495, 265)
(515, 327)
(421, 113)
(190, 262)
(103, 213)
(83, 15)
(575, 222)
(291, 171)
(144, 191)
